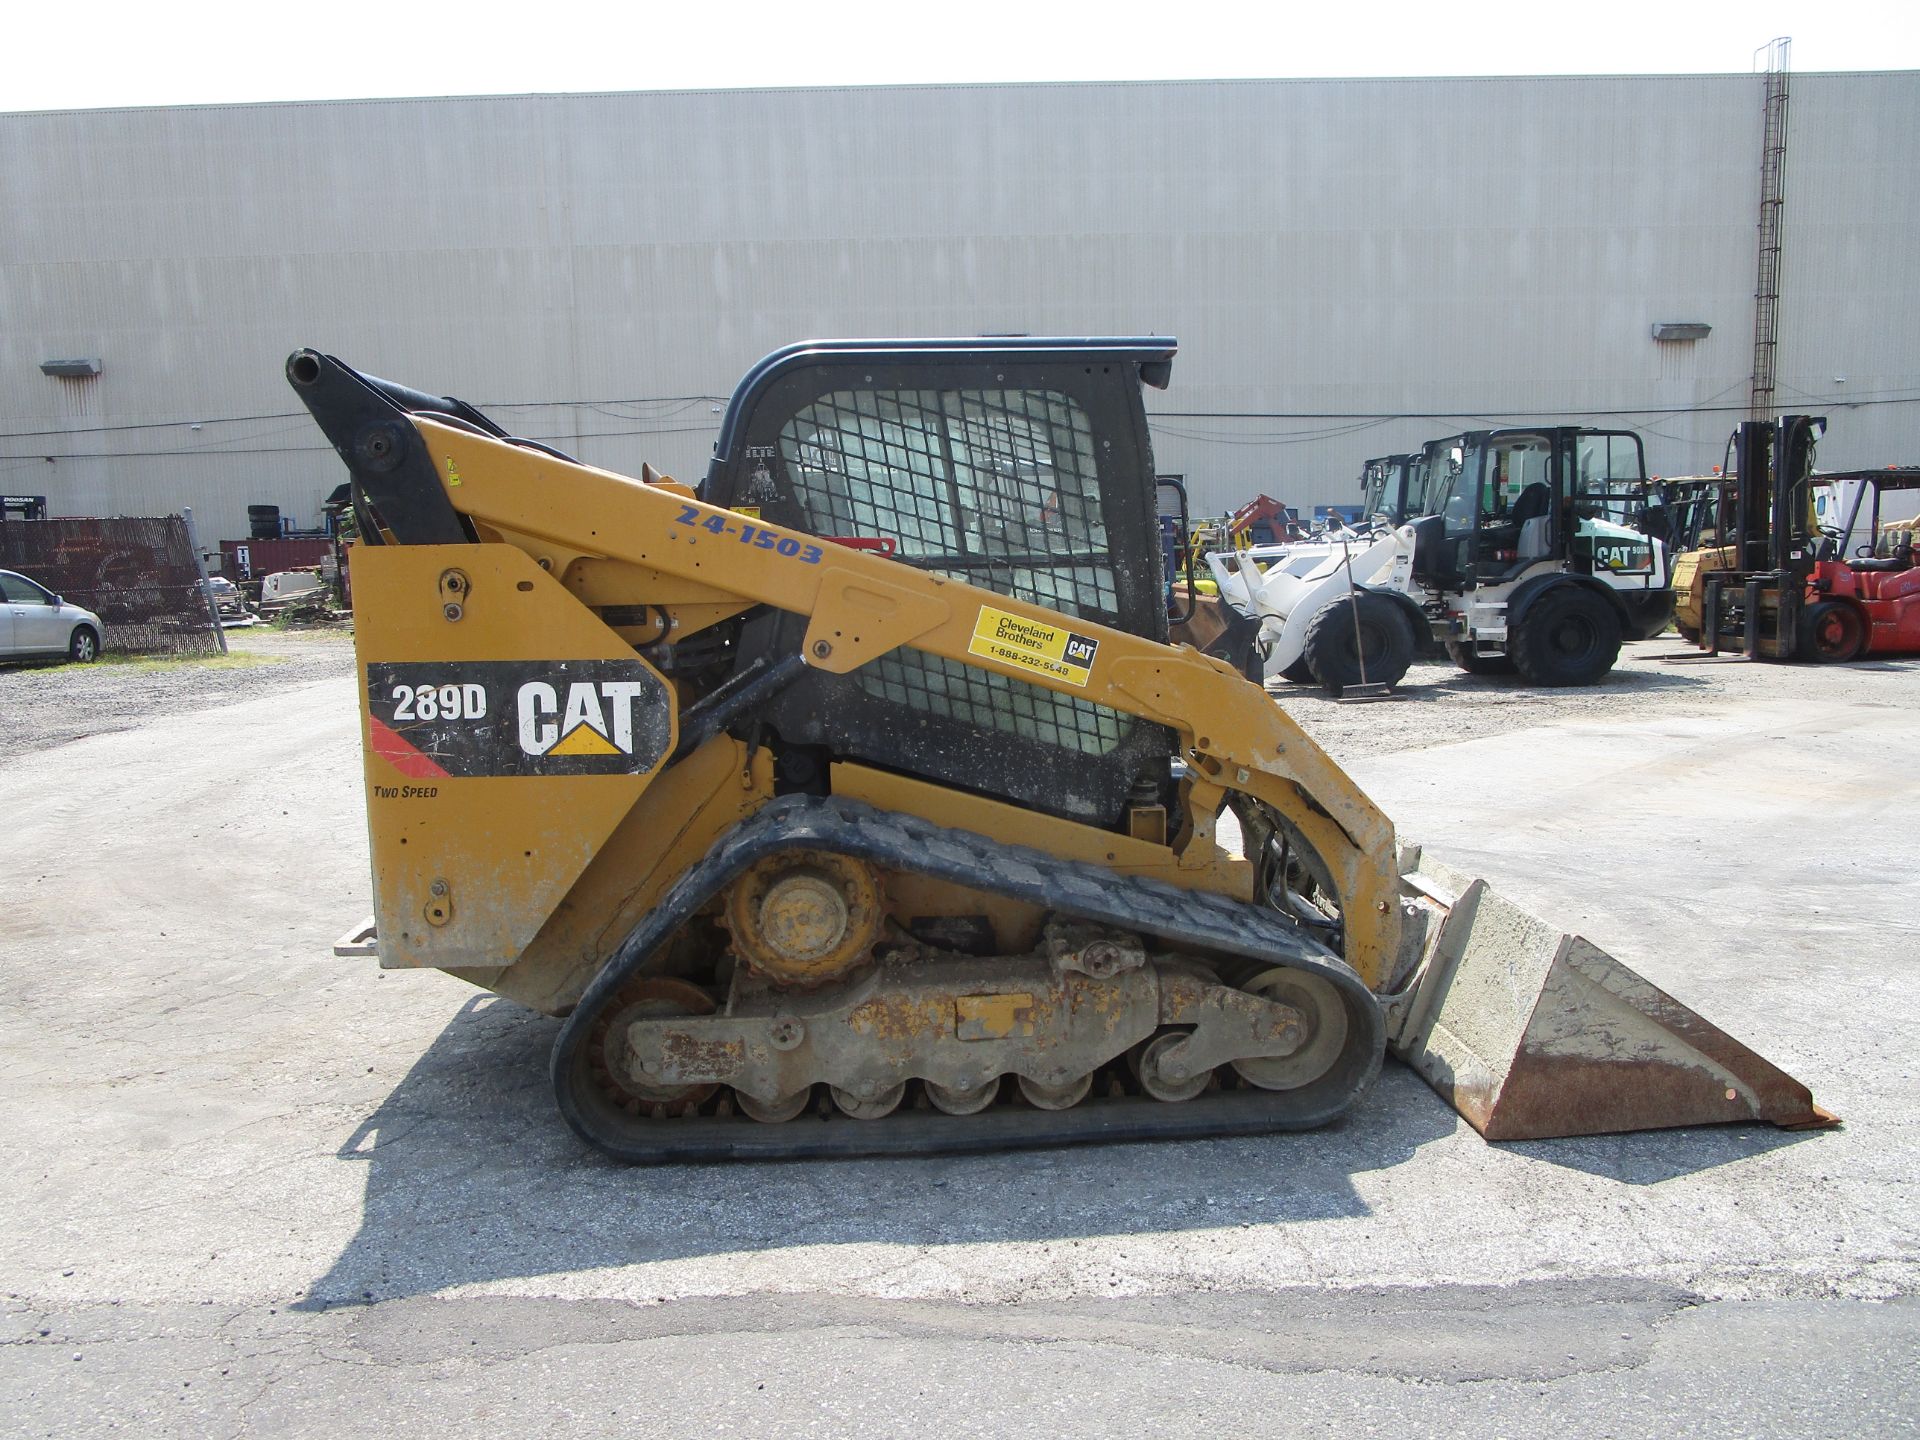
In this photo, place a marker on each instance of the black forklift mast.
(1774, 546)
(1753, 492)
(1774, 463)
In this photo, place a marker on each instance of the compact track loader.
(855, 803)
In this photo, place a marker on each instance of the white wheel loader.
(1527, 557)
(1338, 615)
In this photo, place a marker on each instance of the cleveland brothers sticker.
(1033, 645)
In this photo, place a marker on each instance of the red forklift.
(1867, 603)
(1792, 592)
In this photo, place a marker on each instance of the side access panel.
(505, 733)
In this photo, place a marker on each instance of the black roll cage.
(1463, 546)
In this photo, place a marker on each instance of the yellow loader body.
(609, 775)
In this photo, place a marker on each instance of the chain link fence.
(136, 573)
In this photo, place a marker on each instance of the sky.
(112, 53)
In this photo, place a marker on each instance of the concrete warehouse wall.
(600, 269)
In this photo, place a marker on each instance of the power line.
(679, 400)
(204, 451)
(1850, 397)
(641, 400)
(1291, 437)
(1862, 398)
(1483, 413)
(1361, 421)
(150, 425)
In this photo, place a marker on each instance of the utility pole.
(200, 569)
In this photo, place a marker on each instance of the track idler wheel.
(644, 998)
(1326, 1017)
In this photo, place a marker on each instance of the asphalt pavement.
(253, 1189)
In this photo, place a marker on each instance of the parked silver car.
(36, 622)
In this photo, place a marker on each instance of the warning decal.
(1033, 645)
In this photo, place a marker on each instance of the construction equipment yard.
(251, 1187)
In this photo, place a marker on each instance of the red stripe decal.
(388, 745)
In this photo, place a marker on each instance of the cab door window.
(1609, 477)
(1516, 504)
(1453, 488)
(1610, 504)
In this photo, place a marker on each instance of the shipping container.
(242, 560)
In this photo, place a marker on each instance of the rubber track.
(1188, 920)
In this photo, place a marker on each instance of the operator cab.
(1883, 537)
(1501, 501)
(1020, 466)
(1696, 509)
(1392, 489)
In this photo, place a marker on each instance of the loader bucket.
(1532, 1033)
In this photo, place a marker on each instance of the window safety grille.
(961, 479)
(995, 487)
(984, 700)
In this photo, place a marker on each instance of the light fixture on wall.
(70, 369)
(1681, 329)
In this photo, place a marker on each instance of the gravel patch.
(44, 706)
(1439, 705)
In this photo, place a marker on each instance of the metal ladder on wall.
(1773, 182)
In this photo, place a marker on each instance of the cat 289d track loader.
(862, 781)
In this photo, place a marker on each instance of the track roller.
(877, 1106)
(776, 1112)
(1155, 1079)
(1056, 1097)
(969, 1101)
